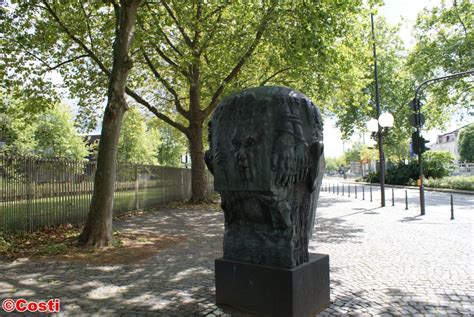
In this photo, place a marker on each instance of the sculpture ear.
(316, 151)
(208, 158)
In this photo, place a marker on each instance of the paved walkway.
(383, 261)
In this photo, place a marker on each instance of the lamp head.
(386, 120)
(373, 125)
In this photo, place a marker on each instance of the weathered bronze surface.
(266, 154)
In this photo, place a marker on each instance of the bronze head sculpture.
(266, 154)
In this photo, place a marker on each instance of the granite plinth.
(272, 291)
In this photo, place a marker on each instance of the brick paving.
(384, 262)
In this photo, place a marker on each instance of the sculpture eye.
(236, 143)
(250, 141)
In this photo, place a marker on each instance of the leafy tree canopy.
(466, 143)
(138, 143)
(187, 55)
(48, 134)
(444, 41)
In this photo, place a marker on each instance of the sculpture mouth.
(243, 167)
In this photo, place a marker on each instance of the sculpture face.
(266, 154)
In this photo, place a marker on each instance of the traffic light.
(419, 143)
(423, 142)
(415, 142)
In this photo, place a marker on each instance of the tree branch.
(91, 54)
(50, 68)
(89, 32)
(197, 31)
(167, 85)
(25, 49)
(165, 57)
(163, 32)
(455, 4)
(208, 39)
(272, 76)
(233, 73)
(180, 28)
(158, 114)
(217, 10)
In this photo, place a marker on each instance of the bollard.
(363, 192)
(406, 200)
(452, 208)
(333, 188)
(343, 189)
(371, 193)
(355, 191)
(349, 190)
(393, 197)
(338, 188)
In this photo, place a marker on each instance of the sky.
(395, 11)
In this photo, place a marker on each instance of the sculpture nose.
(242, 159)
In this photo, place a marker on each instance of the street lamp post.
(377, 104)
(385, 120)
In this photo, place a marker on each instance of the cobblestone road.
(384, 261)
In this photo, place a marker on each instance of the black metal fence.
(36, 192)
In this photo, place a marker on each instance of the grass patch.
(452, 182)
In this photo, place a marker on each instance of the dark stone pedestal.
(271, 291)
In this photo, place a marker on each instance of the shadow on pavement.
(396, 302)
(334, 230)
(178, 281)
(409, 219)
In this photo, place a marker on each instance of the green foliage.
(225, 46)
(466, 143)
(138, 143)
(444, 41)
(437, 164)
(56, 135)
(372, 177)
(50, 133)
(453, 182)
(353, 154)
(394, 83)
(333, 164)
(402, 174)
(172, 146)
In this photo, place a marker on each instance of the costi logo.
(22, 305)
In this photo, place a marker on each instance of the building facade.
(448, 142)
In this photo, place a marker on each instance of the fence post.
(452, 208)
(29, 193)
(370, 193)
(363, 192)
(137, 203)
(355, 191)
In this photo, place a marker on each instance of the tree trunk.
(198, 170)
(198, 181)
(98, 227)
